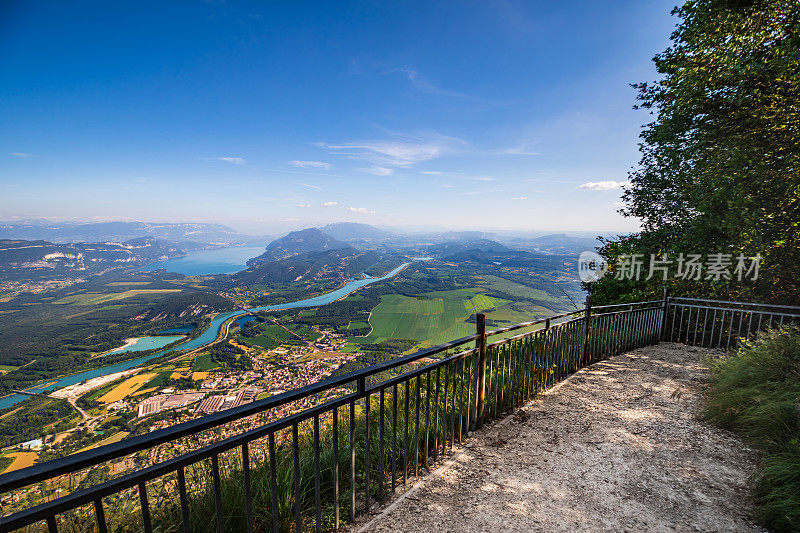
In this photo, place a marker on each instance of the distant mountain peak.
(482, 245)
(299, 242)
(355, 231)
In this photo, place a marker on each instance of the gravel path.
(616, 447)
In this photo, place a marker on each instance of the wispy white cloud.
(456, 175)
(421, 84)
(548, 179)
(604, 185)
(401, 150)
(310, 164)
(519, 198)
(303, 172)
(523, 148)
(379, 171)
(416, 80)
(473, 193)
(304, 206)
(360, 210)
(228, 159)
(330, 204)
(21, 155)
(310, 186)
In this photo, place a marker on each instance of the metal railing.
(720, 323)
(346, 453)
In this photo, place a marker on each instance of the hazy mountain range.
(41, 250)
(353, 231)
(42, 258)
(68, 232)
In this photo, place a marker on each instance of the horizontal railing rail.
(348, 452)
(722, 323)
(739, 304)
(609, 306)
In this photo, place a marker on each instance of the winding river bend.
(207, 337)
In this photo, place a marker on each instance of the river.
(208, 336)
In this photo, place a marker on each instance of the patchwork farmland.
(430, 319)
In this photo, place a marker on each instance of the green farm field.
(517, 289)
(91, 298)
(509, 315)
(304, 331)
(272, 335)
(7, 368)
(203, 363)
(432, 318)
(481, 302)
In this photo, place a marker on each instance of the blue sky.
(276, 115)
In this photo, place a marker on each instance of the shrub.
(756, 394)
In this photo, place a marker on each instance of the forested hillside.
(720, 166)
(58, 332)
(305, 241)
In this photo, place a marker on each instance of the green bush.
(756, 394)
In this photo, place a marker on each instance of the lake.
(148, 343)
(244, 320)
(203, 262)
(206, 337)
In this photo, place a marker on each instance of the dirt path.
(617, 447)
(83, 413)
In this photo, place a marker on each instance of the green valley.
(431, 318)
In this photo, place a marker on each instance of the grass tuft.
(756, 394)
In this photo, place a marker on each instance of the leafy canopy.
(720, 165)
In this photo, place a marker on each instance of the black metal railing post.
(664, 316)
(480, 342)
(586, 327)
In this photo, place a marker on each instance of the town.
(192, 385)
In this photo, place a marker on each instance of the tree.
(720, 166)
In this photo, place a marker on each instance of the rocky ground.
(616, 447)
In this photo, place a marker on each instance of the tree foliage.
(229, 356)
(37, 416)
(720, 166)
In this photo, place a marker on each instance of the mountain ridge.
(20, 257)
(355, 231)
(63, 233)
(305, 241)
